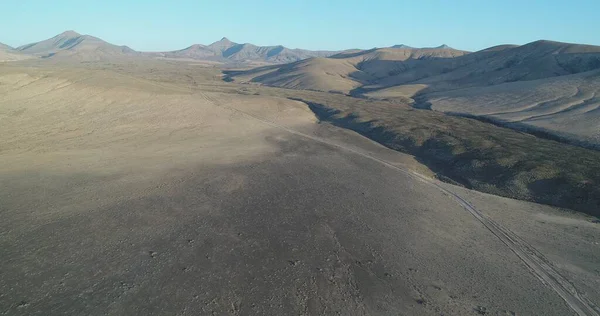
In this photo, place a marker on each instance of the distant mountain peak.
(222, 45)
(223, 41)
(196, 46)
(69, 33)
(71, 43)
(443, 46)
(543, 41)
(401, 46)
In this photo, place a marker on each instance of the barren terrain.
(156, 188)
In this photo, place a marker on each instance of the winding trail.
(538, 265)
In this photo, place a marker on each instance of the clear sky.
(311, 24)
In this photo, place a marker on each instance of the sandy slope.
(497, 65)
(125, 196)
(8, 54)
(566, 105)
(313, 74)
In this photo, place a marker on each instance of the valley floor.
(126, 196)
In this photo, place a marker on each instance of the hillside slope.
(321, 74)
(7, 53)
(537, 60)
(543, 86)
(567, 106)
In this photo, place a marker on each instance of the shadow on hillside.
(525, 128)
(476, 168)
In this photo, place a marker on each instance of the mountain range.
(226, 50)
(546, 86)
(86, 47)
(71, 44)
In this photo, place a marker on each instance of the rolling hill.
(345, 71)
(543, 86)
(74, 45)
(228, 51)
(444, 68)
(566, 106)
(7, 53)
(536, 60)
(320, 74)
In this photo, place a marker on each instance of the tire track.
(538, 265)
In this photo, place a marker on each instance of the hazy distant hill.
(226, 50)
(323, 74)
(196, 51)
(75, 45)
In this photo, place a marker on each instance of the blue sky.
(311, 24)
